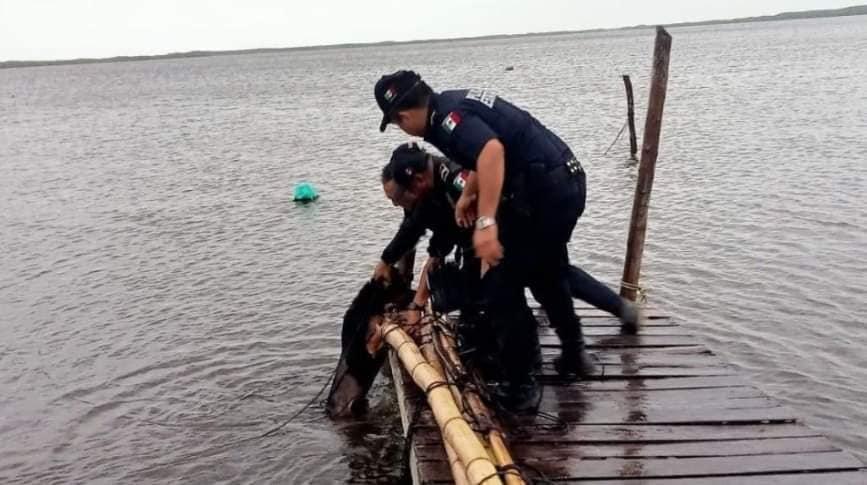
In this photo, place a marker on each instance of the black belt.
(572, 166)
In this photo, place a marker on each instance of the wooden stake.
(647, 167)
(455, 430)
(630, 117)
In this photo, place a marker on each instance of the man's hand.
(382, 272)
(488, 247)
(412, 319)
(465, 210)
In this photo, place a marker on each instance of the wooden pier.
(664, 410)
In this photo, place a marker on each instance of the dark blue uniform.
(435, 213)
(543, 196)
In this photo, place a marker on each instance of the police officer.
(512, 155)
(427, 188)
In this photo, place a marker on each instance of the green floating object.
(305, 192)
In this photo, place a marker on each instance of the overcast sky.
(62, 29)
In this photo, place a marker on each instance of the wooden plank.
(756, 412)
(683, 449)
(553, 397)
(638, 433)
(596, 342)
(584, 309)
(617, 371)
(701, 382)
(594, 314)
(833, 478)
(565, 467)
(604, 329)
(632, 357)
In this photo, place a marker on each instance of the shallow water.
(164, 300)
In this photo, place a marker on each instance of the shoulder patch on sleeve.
(460, 181)
(451, 121)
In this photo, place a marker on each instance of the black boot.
(631, 315)
(524, 397)
(574, 361)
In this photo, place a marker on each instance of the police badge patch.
(451, 121)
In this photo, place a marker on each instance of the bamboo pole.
(455, 430)
(458, 472)
(497, 442)
(647, 167)
(630, 116)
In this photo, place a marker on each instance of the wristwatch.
(484, 222)
(415, 306)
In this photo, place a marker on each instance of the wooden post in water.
(630, 117)
(647, 166)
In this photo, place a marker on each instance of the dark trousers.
(590, 290)
(534, 229)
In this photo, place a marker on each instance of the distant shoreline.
(841, 12)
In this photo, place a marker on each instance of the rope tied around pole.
(639, 290)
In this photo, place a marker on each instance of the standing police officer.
(515, 157)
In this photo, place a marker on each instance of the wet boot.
(524, 397)
(631, 316)
(574, 361)
(520, 392)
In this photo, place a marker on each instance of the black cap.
(407, 160)
(391, 90)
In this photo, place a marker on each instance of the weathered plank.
(601, 342)
(638, 433)
(605, 329)
(683, 449)
(833, 478)
(664, 410)
(566, 467)
(553, 397)
(702, 382)
(757, 412)
(633, 357)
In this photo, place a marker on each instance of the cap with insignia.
(407, 160)
(391, 90)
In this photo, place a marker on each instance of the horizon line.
(853, 10)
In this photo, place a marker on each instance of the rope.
(616, 138)
(640, 291)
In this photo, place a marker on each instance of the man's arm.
(491, 171)
(465, 213)
(411, 230)
(491, 166)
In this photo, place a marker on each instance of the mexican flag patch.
(451, 121)
(460, 180)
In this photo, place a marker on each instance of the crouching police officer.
(427, 188)
(513, 155)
